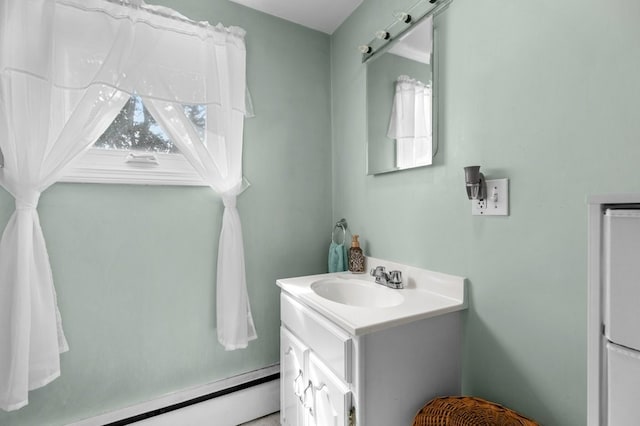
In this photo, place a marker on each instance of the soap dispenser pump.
(356, 257)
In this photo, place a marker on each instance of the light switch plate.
(497, 202)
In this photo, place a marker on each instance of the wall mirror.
(401, 101)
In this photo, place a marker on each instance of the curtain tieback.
(229, 200)
(28, 200)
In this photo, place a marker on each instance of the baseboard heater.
(225, 400)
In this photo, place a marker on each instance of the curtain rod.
(162, 11)
(383, 38)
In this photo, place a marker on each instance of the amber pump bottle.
(356, 257)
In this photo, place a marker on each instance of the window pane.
(135, 129)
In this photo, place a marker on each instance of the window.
(135, 149)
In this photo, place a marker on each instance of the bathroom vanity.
(356, 352)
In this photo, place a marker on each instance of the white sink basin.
(355, 292)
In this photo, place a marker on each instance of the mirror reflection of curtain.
(67, 67)
(410, 123)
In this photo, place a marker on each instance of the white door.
(292, 381)
(331, 398)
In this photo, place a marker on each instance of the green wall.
(545, 93)
(134, 266)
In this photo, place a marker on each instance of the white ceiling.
(321, 15)
(417, 43)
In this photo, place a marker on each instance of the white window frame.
(110, 166)
(100, 165)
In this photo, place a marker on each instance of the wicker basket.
(468, 411)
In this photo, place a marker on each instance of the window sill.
(105, 166)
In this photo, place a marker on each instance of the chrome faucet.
(391, 279)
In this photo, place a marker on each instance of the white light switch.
(497, 202)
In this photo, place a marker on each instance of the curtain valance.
(78, 43)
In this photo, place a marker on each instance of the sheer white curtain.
(411, 122)
(219, 164)
(66, 69)
(38, 139)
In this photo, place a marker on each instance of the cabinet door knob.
(297, 386)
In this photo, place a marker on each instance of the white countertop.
(426, 294)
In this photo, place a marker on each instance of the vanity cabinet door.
(292, 366)
(331, 397)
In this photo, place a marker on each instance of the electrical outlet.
(497, 201)
(478, 207)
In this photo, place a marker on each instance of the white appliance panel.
(622, 277)
(623, 383)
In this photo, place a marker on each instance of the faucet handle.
(378, 271)
(395, 277)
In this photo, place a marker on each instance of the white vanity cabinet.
(379, 373)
